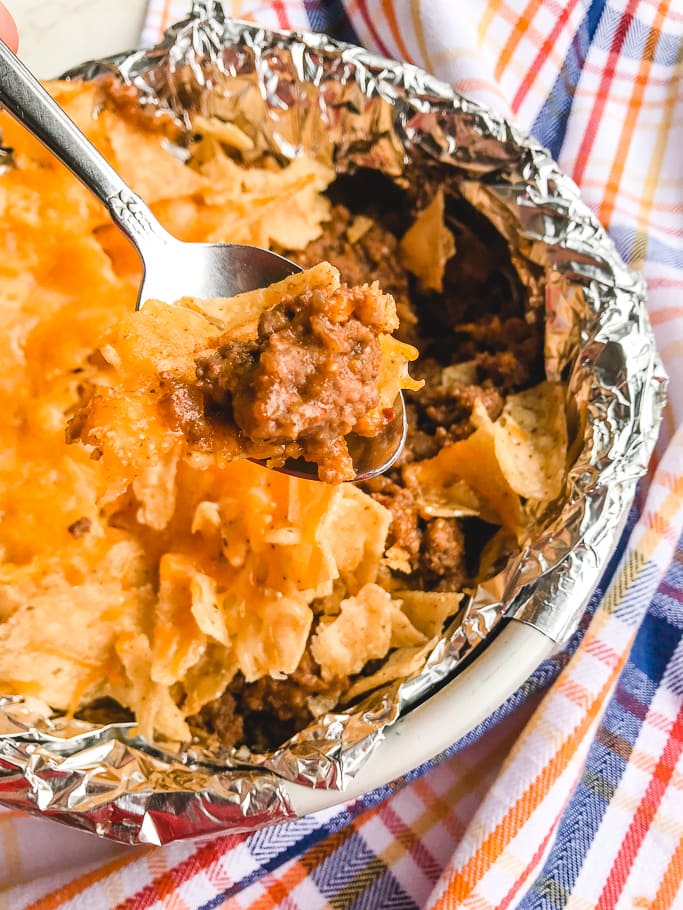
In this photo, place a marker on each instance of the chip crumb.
(80, 527)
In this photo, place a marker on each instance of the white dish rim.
(422, 734)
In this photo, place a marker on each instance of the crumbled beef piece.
(441, 411)
(184, 405)
(222, 719)
(506, 369)
(443, 553)
(435, 547)
(508, 352)
(420, 443)
(266, 712)
(310, 375)
(405, 526)
(485, 393)
(372, 257)
(105, 711)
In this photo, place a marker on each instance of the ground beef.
(440, 412)
(405, 530)
(508, 352)
(373, 256)
(480, 320)
(221, 718)
(185, 408)
(435, 548)
(443, 554)
(310, 375)
(265, 713)
(502, 340)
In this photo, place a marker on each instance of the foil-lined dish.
(308, 93)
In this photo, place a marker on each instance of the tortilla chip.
(145, 162)
(227, 133)
(58, 645)
(208, 679)
(397, 559)
(239, 315)
(178, 642)
(364, 630)
(429, 610)
(403, 633)
(269, 634)
(400, 664)
(531, 441)
(474, 461)
(393, 377)
(355, 530)
(358, 228)
(264, 207)
(156, 712)
(454, 500)
(427, 245)
(79, 100)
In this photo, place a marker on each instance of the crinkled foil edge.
(353, 109)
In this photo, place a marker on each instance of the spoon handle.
(29, 103)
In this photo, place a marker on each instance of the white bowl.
(444, 718)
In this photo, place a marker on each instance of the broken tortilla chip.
(473, 461)
(427, 245)
(530, 439)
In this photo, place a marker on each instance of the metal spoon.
(171, 269)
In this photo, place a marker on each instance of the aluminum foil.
(296, 93)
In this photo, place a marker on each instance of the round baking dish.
(358, 110)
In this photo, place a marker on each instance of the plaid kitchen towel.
(571, 795)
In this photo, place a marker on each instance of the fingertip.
(8, 29)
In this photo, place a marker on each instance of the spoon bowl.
(205, 270)
(171, 269)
